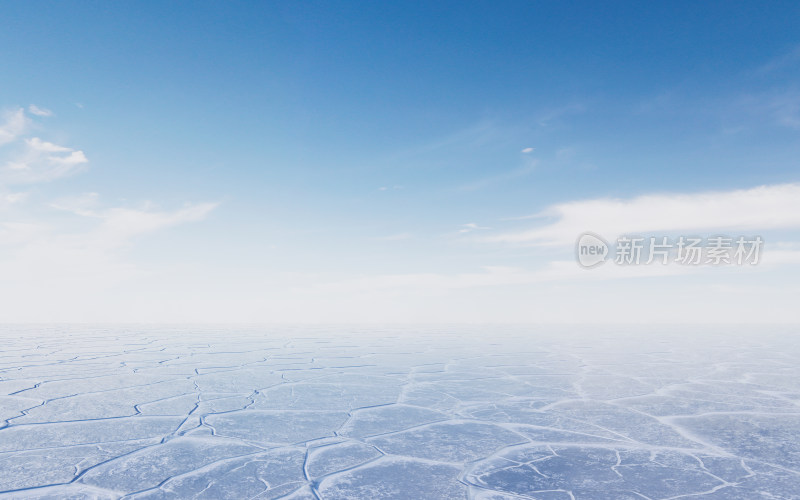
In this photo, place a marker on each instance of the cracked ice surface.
(419, 413)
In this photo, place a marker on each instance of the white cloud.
(757, 209)
(36, 110)
(121, 224)
(118, 225)
(41, 161)
(83, 204)
(45, 147)
(10, 198)
(32, 159)
(15, 123)
(527, 150)
(114, 227)
(471, 226)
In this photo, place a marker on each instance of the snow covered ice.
(439, 413)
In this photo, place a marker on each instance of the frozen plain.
(419, 413)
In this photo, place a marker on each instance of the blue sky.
(357, 161)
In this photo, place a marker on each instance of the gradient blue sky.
(363, 161)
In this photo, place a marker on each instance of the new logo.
(591, 250)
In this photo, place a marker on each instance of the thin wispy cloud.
(11, 198)
(36, 110)
(114, 227)
(470, 227)
(479, 133)
(777, 107)
(787, 60)
(42, 161)
(756, 209)
(14, 123)
(82, 204)
(121, 224)
(548, 117)
(508, 175)
(118, 224)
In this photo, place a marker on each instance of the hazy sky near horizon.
(407, 162)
